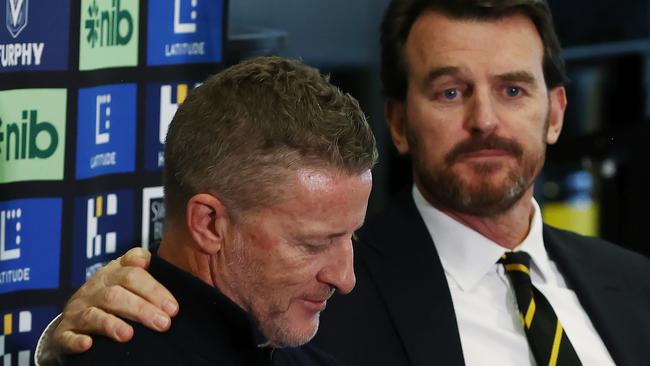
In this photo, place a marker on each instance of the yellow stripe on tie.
(8, 320)
(99, 203)
(555, 351)
(530, 313)
(181, 93)
(516, 267)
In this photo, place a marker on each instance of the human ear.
(395, 114)
(557, 105)
(207, 221)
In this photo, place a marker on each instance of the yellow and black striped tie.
(546, 336)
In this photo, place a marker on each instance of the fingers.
(72, 342)
(70, 334)
(126, 304)
(122, 289)
(140, 283)
(136, 257)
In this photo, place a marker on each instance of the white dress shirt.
(490, 329)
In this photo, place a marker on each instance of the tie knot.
(515, 258)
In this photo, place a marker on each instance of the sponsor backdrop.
(87, 91)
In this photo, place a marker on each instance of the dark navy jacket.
(208, 330)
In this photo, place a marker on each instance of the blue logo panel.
(30, 243)
(27, 39)
(103, 230)
(185, 31)
(162, 103)
(19, 332)
(106, 130)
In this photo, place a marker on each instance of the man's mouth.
(315, 305)
(490, 147)
(316, 302)
(485, 153)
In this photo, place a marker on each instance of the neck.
(176, 249)
(508, 229)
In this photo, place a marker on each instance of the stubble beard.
(268, 311)
(483, 198)
(279, 333)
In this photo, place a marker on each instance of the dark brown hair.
(239, 134)
(401, 14)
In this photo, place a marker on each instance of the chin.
(289, 331)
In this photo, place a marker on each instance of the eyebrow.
(518, 76)
(440, 72)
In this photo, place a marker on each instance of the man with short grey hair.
(267, 177)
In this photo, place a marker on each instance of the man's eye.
(314, 247)
(451, 94)
(513, 91)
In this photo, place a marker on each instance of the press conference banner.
(87, 91)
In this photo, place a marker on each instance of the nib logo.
(108, 27)
(20, 138)
(32, 134)
(108, 33)
(16, 16)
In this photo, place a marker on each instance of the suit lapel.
(403, 261)
(598, 287)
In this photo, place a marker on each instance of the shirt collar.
(466, 255)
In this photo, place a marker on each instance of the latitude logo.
(16, 16)
(185, 31)
(10, 244)
(29, 228)
(187, 26)
(106, 130)
(32, 134)
(109, 33)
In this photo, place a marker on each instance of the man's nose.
(481, 117)
(339, 271)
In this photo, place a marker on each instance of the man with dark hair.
(460, 268)
(267, 177)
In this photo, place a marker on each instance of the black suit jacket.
(401, 312)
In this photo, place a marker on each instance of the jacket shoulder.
(602, 254)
